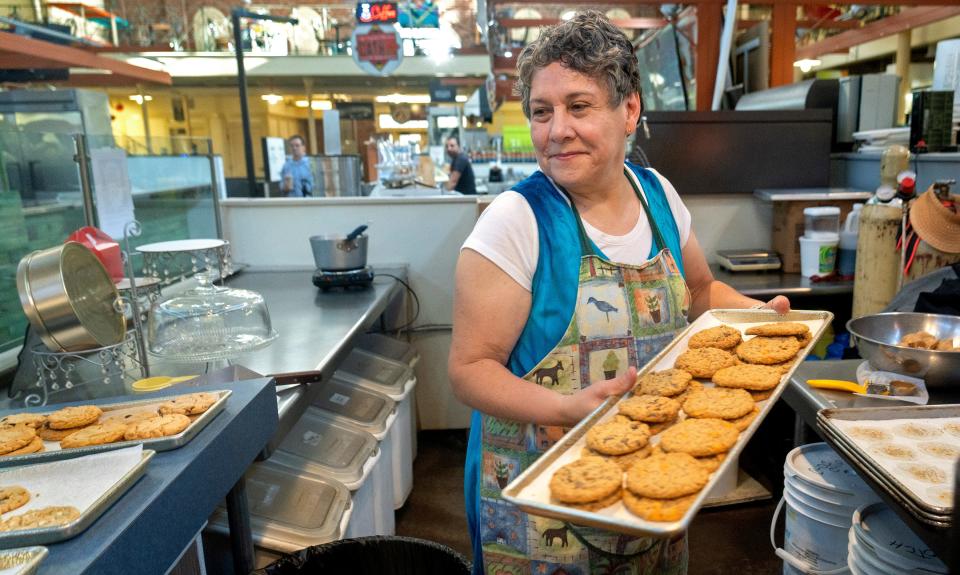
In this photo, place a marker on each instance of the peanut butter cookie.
(703, 362)
(617, 437)
(48, 434)
(779, 328)
(700, 437)
(46, 517)
(650, 408)
(596, 505)
(129, 416)
(625, 461)
(656, 428)
(34, 420)
(160, 426)
(748, 376)
(192, 404)
(668, 383)
(718, 403)
(34, 446)
(694, 387)
(586, 480)
(711, 462)
(74, 416)
(744, 422)
(720, 337)
(768, 350)
(97, 434)
(15, 437)
(13, 497)
(666, 476)
(657, 509)
(761, 395)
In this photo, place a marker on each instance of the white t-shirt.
(506, 234)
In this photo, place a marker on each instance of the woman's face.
(580, 140)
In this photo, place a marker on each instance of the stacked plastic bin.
(378, 374)
(400, 351)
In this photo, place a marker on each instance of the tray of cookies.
(36, 508)
(22, 561)
(161, 424)
(644, 463)
(910, 451)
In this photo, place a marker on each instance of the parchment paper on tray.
(78, 482)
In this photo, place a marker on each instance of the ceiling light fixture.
(508, 54)
(806, 64)
(139, 98)
(403, 99)
(272, 98)
(462, 97)
(315, 104)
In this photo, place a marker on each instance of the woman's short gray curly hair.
(589, 44)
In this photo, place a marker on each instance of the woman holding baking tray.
(569, 282)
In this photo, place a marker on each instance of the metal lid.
(376, 372)
(881, 530)
(820, 465)
(389, 347)
(319, 445)
(290, 510)
(358, 407)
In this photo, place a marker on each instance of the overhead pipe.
(723, 62)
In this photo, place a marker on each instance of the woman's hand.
(779, 304)
(578, 405)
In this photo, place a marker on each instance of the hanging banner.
(377, 48)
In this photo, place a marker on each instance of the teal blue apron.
(590, 320)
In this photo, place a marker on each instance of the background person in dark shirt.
(461, 172)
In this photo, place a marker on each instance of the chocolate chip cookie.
(779, 328)
(668, 383)
(666, 476)
(720, 337)
(649, 408)
(74, 416)
(192, 404)
(703, 362)
(616, 437)
(748, 376)
(768, 350)
(718, 403)
(97, 434)
(657, 509)
(700, 437)
(160, 426)
(586, 480)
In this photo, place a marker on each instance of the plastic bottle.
(847, 258)
(894, 160)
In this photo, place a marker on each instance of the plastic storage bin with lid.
(818, 245)
(396, 381)
(323, 447)
(289, 511)
(364, 410)
(397, 350)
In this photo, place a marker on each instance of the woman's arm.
(490, 310)
(708, 293)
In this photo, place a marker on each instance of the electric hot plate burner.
(359, 278)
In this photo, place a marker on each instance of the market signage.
(376, 12)
(377, 48)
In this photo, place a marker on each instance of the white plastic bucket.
(818, 256)
(873, 529)
(820, 493)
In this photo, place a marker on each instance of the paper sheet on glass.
(75, 482)
(112, 193)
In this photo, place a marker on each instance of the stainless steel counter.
(806, 401)
(317, 330)
(771, 283)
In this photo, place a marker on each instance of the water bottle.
(847, 258)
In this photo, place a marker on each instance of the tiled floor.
(729, 540)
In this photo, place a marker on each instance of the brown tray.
(53, 451)
(530, 490)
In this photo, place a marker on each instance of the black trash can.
(372, 556)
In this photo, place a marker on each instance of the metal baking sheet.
(44, 535)
(23, 561)
(826, 421)
(530, 490)
(867, 470)
(53, 451)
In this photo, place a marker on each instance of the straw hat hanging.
(935, 223)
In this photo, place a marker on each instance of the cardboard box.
(788, 227)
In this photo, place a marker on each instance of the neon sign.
(376, 12)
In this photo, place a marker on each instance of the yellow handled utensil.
(837, 384)
(159, 382)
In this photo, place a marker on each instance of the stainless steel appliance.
(341, 260)
(867, 102)
(337, 175)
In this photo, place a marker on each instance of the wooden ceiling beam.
(808, 24)
(60, 56)
(889, 26)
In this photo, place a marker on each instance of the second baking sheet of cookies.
(530, 491)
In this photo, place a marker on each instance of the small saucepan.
(70, 299)
(336, 252)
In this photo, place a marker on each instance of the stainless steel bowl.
(878, 336)
(69, 298)
(336, 252)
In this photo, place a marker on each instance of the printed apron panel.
(623, 317)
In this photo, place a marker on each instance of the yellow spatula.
(838, 384)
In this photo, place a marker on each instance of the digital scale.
(748, 260)
(359, 278)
